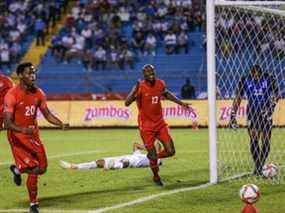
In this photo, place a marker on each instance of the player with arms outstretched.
(135, 160)
(21, 105)
(262, 93)
(5, 84)
(148, 94)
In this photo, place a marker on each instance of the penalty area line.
(117, 206)
(148, 198)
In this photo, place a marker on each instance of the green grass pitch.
(94, 189)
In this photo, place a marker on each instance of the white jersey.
(136, 160)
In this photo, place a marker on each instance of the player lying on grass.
(134, 160)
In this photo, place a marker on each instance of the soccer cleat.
(157, 181)
(34, 208)
(16, 177)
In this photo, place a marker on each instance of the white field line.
(61, 155)
(148, 198)
(117, 206)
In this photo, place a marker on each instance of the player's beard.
(31, 86)
(151, 81)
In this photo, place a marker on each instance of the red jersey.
(24, 106)
(5, 84)
(149, 105)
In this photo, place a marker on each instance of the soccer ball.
(270, 170)
(249, 193)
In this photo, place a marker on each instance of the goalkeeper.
(261, 90)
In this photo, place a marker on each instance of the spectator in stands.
(15, 35)
(5, 58)
(129, 57)
(40, 31)
(126, 57)
(279, 46)
(52, 14)
(162, 10)
(15, 52)
(182, 42)
(76, 49)
(170, 42)
(67, 42)
(150, 45)
(87, 34)
(100, 58)
(137, 43)
(114, 57)
(56, 48)
(188, 90)
(87, 60)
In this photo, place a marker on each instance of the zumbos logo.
(106, 112)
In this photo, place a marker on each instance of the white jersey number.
(154, 99)
(30, 110)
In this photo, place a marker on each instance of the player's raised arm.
(132, 95)
(170, 96)
(236, 103)
(51, 118)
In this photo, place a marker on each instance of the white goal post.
(265, 9)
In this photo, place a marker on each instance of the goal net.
(249, 33)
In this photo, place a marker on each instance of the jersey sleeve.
(43, 102)
(9, 102)
(138, 94)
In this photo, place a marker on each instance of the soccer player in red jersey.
(5, 84)
(148, 94)
(21, 105)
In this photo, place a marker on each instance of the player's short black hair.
(21, 67)
(148, 67)
(257, 68)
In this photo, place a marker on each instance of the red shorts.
(28, 151)
(149, 136)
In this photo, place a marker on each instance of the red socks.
(32, 185)
(154, 167)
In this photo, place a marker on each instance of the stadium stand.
(104, 44)
(20, 23)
